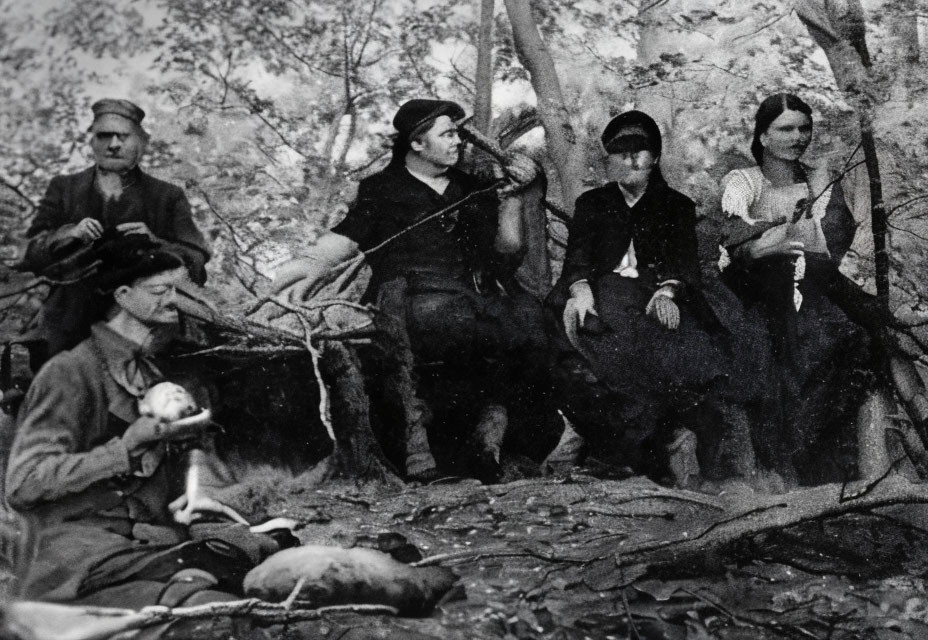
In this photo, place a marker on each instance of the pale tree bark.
(534, 273)
(838, 28)
(903, 20)
(346, 136)
(483, 104)
(564, 145)
(658, 35)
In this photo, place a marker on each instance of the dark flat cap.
(632, 131)
(119, 107)
(415, 113)
(123, 259)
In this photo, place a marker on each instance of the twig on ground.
(628, 614)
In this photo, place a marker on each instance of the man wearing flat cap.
(99, 483)
(446, 279)
(112, 197)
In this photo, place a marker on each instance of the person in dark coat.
(447, 279)
(113, 196)
(641, 351)
(101, 486)
(787, 229)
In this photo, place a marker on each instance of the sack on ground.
(349, 576)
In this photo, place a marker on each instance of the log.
(757, 515)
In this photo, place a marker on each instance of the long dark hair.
(769, 110)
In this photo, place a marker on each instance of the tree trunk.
(535, 271)
(903, 20)
(343, 142)
(332, 136)
(563, 143)
(764, 514)
(838, 29)
(658, 37)
(840, 34)
(356, 454)
(483, 104)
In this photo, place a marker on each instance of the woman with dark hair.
(788, 229)
(641, 350)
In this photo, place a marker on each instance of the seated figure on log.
(443, 246)
(99, 485)
(640, 352)
(787, 228)
(113, 196)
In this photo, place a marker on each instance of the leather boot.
(487, 442)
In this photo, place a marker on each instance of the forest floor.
(543, 558)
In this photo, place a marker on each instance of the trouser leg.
(568, 452)
(401, 384)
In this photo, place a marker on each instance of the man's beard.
(637, 179)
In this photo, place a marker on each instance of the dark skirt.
(636, 380)
(635, 354)
(818, 365)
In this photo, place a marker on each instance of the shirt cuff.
(114, 458)
(584, 281)
(668, 288)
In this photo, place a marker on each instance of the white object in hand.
(192, 489)
(167, 401)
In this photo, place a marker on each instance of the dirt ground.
(544, 558)
(537, 558)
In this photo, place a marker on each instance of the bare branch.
(764, 26)
(18, 191)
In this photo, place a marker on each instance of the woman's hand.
(774, 242)
(580, 305)
(792, 248)
(662, 308)
(581, 301)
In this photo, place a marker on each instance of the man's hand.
(521, 172)
(135, 227)
(663, 309)
(87, 230)
(143, 433)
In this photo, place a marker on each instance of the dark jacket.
(72, 479)
(661, 224)
(71, 309)
(455, 245)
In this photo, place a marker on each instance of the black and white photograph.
(464, 319)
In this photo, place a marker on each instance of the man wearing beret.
(114, 196)
(446, 279)
(99, 484)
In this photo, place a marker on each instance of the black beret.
(632, 131)
(119, 107)
(123, 259)
(415, 113)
